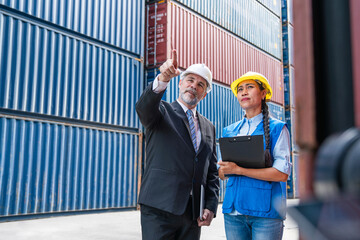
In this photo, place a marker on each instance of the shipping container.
(47, 71)
(273, 5)
(355, 46)
(292, 86)
(290, 184)
(289, 87)
(290, 119)
(287, 11)
(115, 23)
(294, 146)
(224, 53)
(276, 111)
(49, 167)
(248, 19)
(220, 106)
(288, 45)
(295, 157)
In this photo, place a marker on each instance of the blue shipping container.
(117, 23)
(46, 71)
(292, 86)
(248, 19)
(276, 111)
(287, 11)
(289, 87)
(288, 45)
(46, 167)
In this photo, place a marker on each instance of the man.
(180, 156)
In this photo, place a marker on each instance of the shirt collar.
(185, 108)
(255, 120)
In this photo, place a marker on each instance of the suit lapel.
(181, 114)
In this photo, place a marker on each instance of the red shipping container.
(197, 40)
(355, 34)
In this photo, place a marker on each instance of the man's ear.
(204, 96)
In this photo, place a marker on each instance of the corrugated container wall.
(248, 19)
(273, 5)
(288, 45)
(70, 74)
(289, 87)
(45, 70)
(289, 97)
(48, 167)
(116, 23)
(287, 11)
(226, 54)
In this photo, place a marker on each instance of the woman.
(255, 200)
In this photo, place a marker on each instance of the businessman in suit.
(180, 156)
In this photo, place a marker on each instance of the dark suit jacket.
(173, 168)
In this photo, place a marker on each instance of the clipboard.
(246, 151)
(202, 202)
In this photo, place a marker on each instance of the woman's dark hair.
(266, 123)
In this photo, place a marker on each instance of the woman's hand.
(266, 174)
(227, 168)
(221, 174)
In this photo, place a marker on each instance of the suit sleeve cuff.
(159, 86)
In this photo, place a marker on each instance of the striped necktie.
(190, 117)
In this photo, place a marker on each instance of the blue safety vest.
(251, 196)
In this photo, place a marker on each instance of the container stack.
(289, 91)
(70, 74)
(230, 37)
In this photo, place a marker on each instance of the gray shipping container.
(272, 5)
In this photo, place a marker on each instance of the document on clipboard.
(246, 151)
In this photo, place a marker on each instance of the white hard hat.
(202, 70)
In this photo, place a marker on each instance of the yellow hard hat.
(253, 76)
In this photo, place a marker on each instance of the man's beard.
(187, 99)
